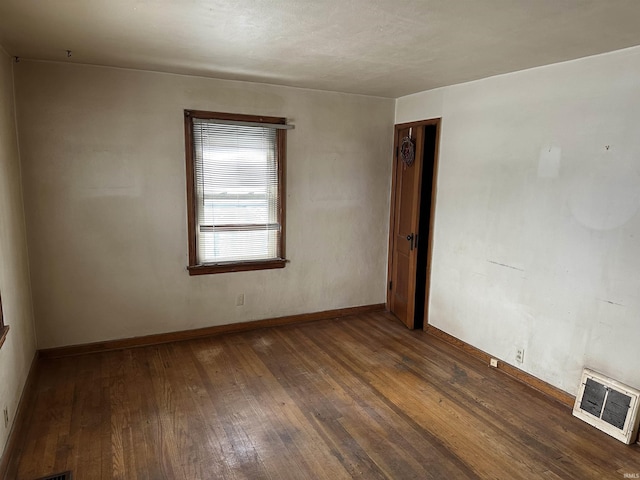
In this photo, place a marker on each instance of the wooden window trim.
(235, 267)
(3, 334)
(4, 329)
(194, 268)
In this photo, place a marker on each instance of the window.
(4, 329)
(235, 191)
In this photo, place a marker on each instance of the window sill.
(235, 267)
(3, 334)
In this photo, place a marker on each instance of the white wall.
(18, 350)
(537, 235)
(104, 175)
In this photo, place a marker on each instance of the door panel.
(405, 228)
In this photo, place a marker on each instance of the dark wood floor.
(360, 397)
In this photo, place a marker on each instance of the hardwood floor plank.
(379, 427)
(241, 453)
(170, 412)
(282, 422)
(120, 430)
(355, 397)
(106, 448)
(219, 448)
(50, 421)
(151, 463)
(398, 429)
(86, 419)
(324, 405)
(319, 403)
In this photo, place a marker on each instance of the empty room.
(285, 239)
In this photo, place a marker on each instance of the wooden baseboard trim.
(23, 410)
(160, 338)
(524, 377)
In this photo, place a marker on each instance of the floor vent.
(608, 405)
(57, 476)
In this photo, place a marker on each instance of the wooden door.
(404, 223)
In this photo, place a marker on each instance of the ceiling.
(387, 48)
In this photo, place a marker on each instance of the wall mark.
(505, 265)
(612, 303)
(549, 162)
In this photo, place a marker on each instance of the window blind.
(237, 194)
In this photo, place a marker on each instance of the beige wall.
(537, 221)
(104, 175)
(18, 350)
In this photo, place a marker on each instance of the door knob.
(410, 239)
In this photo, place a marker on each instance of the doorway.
(411, 220)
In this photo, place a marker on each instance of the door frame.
(434, 187)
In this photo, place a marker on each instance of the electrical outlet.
(6, 417)
(493, 362)
(240, 300)
(520, 355)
